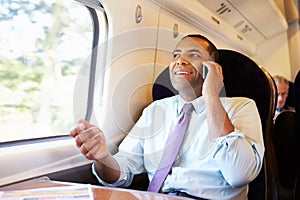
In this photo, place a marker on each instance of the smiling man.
(222, 150)
(186, 66)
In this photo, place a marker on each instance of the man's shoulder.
(288, 108)
(237, 100)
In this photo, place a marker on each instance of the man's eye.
(193, 55)
(175, 55)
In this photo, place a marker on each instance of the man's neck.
(189, 96)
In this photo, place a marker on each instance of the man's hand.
(90, 140)
(213, 82)
(218, 122)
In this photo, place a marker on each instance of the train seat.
(290, 100)
(284, 169)
(297, 92)
(242, 77)
(297, 109)
(286, 137)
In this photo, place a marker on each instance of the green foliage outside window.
(43, 45)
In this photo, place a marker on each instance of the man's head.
(186, 65)
(282, 85)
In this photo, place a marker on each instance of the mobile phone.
(204, 71)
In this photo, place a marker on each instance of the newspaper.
(78, 192)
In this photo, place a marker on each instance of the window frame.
(91, 86)
(37, 149)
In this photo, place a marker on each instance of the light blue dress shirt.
(206, 166)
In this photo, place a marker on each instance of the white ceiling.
(256, 20)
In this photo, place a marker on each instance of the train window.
(44, 44)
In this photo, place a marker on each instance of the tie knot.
(188, 108)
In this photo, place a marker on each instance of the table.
(101, 192)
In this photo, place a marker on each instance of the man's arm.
(239, 155)
(91, 142)
(217, 118)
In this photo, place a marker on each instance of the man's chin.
(182, 87)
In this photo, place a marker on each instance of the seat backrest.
(286, 137)
(297, 92)
(283, 163)
(297, 108)
(290, 100)
(242, 77)
(286, 147)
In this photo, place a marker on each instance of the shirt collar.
(198, 104)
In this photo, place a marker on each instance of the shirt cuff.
(122, 179)
(228, 139)
(233, 135)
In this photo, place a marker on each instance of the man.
(223, 146)
(282, 85)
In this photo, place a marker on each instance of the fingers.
(214, 80)
(93, 147)
(220, 70)
(90, 140)
(86, 144)
(212, 64)
(85, 123)
(214, 68)
(81, 125)
(85, 135)
(91, 143)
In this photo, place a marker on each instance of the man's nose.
(181, 61)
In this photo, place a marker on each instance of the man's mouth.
(183, 73)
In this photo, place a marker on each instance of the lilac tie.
(171, 149)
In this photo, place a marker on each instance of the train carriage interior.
(106, 60)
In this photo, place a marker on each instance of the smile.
(182, 73)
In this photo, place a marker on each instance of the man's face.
(186, 65)
(282, 89)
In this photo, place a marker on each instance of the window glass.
(43, 46)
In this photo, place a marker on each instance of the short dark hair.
(212, 49)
